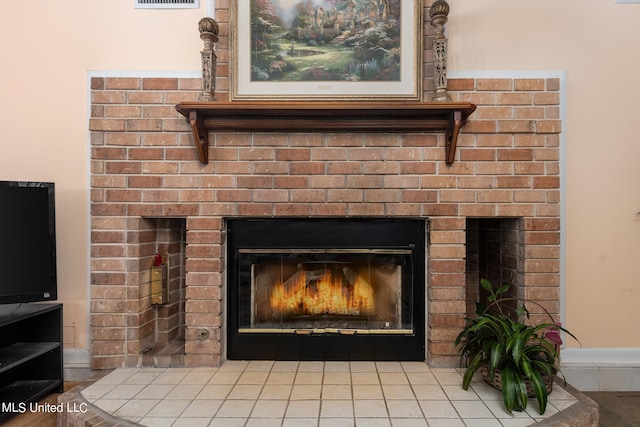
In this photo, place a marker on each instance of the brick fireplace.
(494, 212)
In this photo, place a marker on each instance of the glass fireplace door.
(327, 291)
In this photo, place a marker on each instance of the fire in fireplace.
(331, 290)
(328, 289)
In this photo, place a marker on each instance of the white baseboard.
(76, 358)
(77, 365)
(602, 369)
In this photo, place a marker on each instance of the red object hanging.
(157, 262)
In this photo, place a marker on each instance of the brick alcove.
(149, 193)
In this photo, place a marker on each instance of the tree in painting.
(336, 40)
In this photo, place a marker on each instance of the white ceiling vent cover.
(167, 4)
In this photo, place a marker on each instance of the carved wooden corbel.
(451, 135)
(200, 136)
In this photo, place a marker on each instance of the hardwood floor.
(618, 409)
(39, 419)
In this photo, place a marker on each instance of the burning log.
(323, 292)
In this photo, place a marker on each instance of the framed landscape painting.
(326, 49)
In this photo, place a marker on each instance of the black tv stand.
(30, 355)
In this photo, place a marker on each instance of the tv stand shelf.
(30, 354)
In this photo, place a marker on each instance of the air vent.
(167, 4)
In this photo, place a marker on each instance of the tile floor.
(301, 394)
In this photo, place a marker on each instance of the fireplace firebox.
(326, 289)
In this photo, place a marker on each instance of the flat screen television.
(27, 242)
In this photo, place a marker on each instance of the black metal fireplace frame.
(313, 233)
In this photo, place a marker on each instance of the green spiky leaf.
(537, 385)
(503, 289)
(486, 285)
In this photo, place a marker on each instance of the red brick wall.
(143, 164)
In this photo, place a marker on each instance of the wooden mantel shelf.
(297, 116)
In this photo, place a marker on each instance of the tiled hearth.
(287, 394)
(494, 212)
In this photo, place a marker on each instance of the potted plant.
(519, 359)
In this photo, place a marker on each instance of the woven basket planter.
(496, 381)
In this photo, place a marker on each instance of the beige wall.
(49, 48)
(592, 42)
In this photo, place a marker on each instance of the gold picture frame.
(353, 50)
